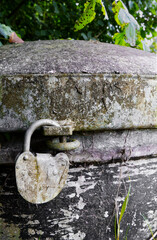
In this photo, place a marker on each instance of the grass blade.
(124, 206)
(125, 238)
(115, 227)
(148, 226)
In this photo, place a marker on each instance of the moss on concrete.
(96, 101)
(96, 85)
(9, 231)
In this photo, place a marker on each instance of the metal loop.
(33, 127)
(64, 146)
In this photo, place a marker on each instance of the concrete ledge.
(96, 85)
(74, 56)
(92, 102)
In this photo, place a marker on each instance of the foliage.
(53, 19)
(9, 34)
(118, 221)
(5, 31)
(127, 23)
(130, 35)
(89, 14)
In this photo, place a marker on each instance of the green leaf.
(125, 17)
(84, 36)
(127, 22)
(130, 32)
(153, 46)
(148, 225)
(103, 9)
(101, 23)
(145, 46)
(154, 34)
(124, 206)
(118, 36)
(140, 46)
(115, 227)
(120, 39)
(1, 44)
(125, 238)
(55, 7)
(153, 11)
(89, 35)
(5, 31)
(38, 9)
(123, 5)
(87, 16)
(131, 4)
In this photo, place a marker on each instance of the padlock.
(40, 177)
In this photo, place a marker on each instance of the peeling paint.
(65, 224)
(77, 236)
(33, 222)
(84, 209)
(31, 231)
(134, 219)
(131, 170)
(81, 185)
(29, 216)
(106, 215)
(72, 195)
(81, 204)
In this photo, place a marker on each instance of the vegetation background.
(55, 19)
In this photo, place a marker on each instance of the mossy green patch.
(9, 231)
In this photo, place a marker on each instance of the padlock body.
(40, 178)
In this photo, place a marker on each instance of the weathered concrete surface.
(92, 102)
(109, 146)
(84, 209)
(96, 85)
(71, 56)
(103, 147)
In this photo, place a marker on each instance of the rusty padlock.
(40, 177)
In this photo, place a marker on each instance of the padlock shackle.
(33, 127)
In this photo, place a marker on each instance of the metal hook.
(33, 127)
